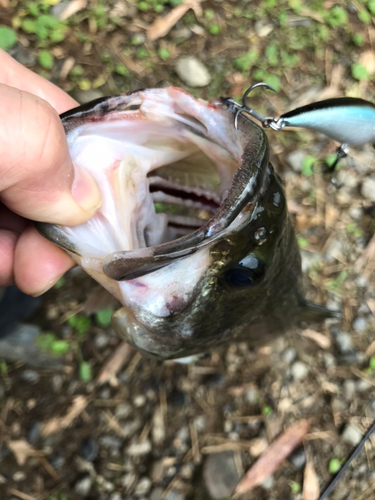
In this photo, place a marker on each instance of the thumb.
(37, 177)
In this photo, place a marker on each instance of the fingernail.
(86, 191)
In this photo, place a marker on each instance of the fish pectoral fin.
(316, 313)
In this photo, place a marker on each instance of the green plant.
(103, 318)
(334, 465)
(81, 324)
(85, 371)
(307, 165)
(359, 72)
(246, 61)
(50, 343)
(45, 58)
(8, 37)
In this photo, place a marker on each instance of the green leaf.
(372, 363)
(59, 283)
(103, 318)
(334, 465)
(364, 16)
(246, 62)
(307, 165)
(337, 16)
(359, 72)
(60, 347)
(164, 53)
(81, 324)
(45, 59)
(214, 29)
(45, 340)
(371, 6)
(29, 26)
(3, 369)
(295, 487)
(8, 37)
(358, 39)
(302, 242)
(85, 372)
(274, 81)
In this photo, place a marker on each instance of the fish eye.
(248, 272)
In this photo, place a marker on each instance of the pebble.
(143, 486)
(89, 449)
(30, 376)
(83, 486)
(139, 400)
(123, 411)
(23, 55)
(84, 96)
(363, 385)
(295, 160)
(193, 72)
(19, 476)
(343, 341)
(351, 435)
(298, 458)
(113, 444)
(57, 383)
(175, 495)
(349, 389)
(368, 188)
(220, 474)
(263, 28)
(289, 355)
(116, 496)
(267, 484)
(347, 179)
(359, 324)
(139, 449)
(156, 493)
(299, 371)
(251, 396)
(101, 340)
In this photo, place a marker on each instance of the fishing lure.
(348, 120)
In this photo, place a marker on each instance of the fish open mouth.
(166, 165)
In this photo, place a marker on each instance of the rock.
(112, 443)
(220, 474)
(101, 340)
(123, 411)
(21, 345)
(116, 496)
(267, 484)
(299, 371)
(347, 178)
(263, 28)
(363, 385)
(139, 449)
(349, 389)
(19, 476)
(251, 396)
(30, 376)
(351, 435)
(193, 72)
(57, 382)
(83, 486)
(59, 8)
(295, 160)
(359, 324)
(84, 96)
(139, 400)
(289, 355)
(343, 341)
(24, 56)
(298, 458)
(368, 188)
(143, 486)
(89, 448)
(156, 493)
(175, 495)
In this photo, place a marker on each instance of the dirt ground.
(159, 430)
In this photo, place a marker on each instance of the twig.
(344, 468)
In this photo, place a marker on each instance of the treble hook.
(266, 121)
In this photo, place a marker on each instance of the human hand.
(37, 179)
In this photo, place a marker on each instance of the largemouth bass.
(193, 236)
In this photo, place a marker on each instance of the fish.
(193, 236)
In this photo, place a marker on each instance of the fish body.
(193, 236)
(347, 120)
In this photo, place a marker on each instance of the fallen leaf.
(163, 25)
(22, 450)
(323, 341)
(114, 364)
(56, 424)
(310, 482)
(72, 8)
(270, 460)
(66, 68)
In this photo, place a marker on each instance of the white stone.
(193, 72)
